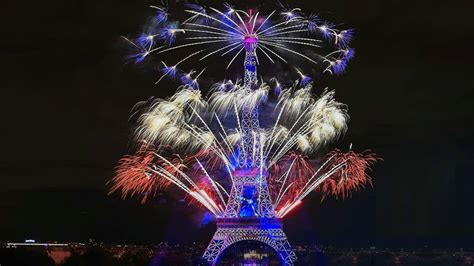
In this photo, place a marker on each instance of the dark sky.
(67, 93)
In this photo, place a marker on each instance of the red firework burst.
(134, 178)
(151, 169)
(351, 176)
(131, 176)
(290, 173)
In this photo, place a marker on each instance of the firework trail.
(198, 143)
(212, 34)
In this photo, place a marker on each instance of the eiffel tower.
(249, 213)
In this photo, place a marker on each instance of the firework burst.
(194, 143)
(273, 131)
(225, 35)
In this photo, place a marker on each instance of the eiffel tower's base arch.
(266, 230)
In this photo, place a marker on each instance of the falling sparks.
(200, 138)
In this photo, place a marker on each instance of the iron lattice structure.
(259, 222)
(250, 122)
(267, 231)
(263, 226)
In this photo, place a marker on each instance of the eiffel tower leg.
(215, 247)
(283, 248)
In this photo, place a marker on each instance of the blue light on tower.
(249, 202)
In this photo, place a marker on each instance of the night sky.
(67, 92)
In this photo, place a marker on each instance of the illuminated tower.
(249, 213)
